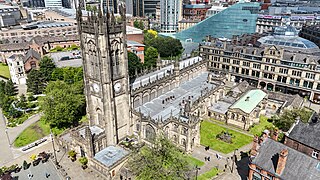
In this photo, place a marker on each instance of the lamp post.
(54, 150)
(6, 130)
(197, 169)
(233, 159)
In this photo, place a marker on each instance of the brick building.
(195, 11)
(311, 33)
(272, 160)
(307, 143)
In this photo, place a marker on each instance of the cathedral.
(166, 101)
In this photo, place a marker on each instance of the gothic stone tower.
(105, 63)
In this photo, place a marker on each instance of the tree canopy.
(289, 117)
(167, 46)
(163, 160)
(64, 104)
(134, 64)
(150, 58)
(35, 82)
(138, 24)
(46, 68)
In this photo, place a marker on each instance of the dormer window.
(315, 154)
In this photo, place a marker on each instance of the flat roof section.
(110, 155)
(249, 101)
(193, 89)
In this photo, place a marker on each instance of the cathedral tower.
(105, 63)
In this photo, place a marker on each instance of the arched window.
(233, 116)
(150, 133)
(243, 119)
(184, 143)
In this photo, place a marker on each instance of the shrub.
(83, 161)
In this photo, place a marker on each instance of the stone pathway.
(5, 152)
(239, 170)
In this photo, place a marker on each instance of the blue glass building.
(235, 20)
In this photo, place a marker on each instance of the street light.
(197, 169)
(6, 130)
(54, 150)
(233, 159)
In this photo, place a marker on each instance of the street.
(5, 152)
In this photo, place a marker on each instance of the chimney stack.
(275, 134)
(255, 146)
(282, 161)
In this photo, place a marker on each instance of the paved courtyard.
(39, 172)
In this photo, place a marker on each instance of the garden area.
(195, 162)
(209, 133)
(4, 71)
(257, 129)
(34, 132)
(209, 175)
(61, 49)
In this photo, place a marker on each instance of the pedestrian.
(205, 158)
(29, 175)
(208, 158)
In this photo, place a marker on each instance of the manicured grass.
(257, 129)
(4, 71)
(195, 161)
(209, 131)
(34, 132)
(208, 175)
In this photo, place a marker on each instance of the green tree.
(163, 160)
(88, 7)
(57, 74)
(136, 24)
(22, 102)
(9, 88)
(64, 104)
(2, 87)
(141, 25)
(134, 64)
(150, 58)
(35, 83)
(5, 103)
(47, 66)
(289, 117)
(167, 46)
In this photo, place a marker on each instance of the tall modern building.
(110, 6)
(235, 20)
(53, 3)
(150, 7)
(170, 15)
(135, 7)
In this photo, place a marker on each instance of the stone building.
(311, 33)
(21, 64)
(283, 62)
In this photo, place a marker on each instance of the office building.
(170, 14)
(53, 3)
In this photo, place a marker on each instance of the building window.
(266, 68)
(315, 154)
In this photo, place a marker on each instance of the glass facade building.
(235, 20)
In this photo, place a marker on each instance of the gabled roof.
(307, 133)
(298, 165)
(31, 53)
(249, 101)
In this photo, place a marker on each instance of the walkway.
(200, 153)
(15, 131)
(5, 153)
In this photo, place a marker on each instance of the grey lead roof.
(193, 88)
(298, 166)
(307, 133)
(111, 155)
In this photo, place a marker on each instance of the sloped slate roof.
(32, 53)
(307, 133)
(298, 165)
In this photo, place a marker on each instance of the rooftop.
(111, 155)
(249, 101)
(165, 71)
(298, 165)
(307, 133)
(220, 107)
(287, 36)
(94, 130)
(189, 90)
(134, 43)
(67, 59)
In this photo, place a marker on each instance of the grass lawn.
(209, 131)
(195, 161)
(34, 132)
(4, 70)
(208, 175)
(258, 128)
